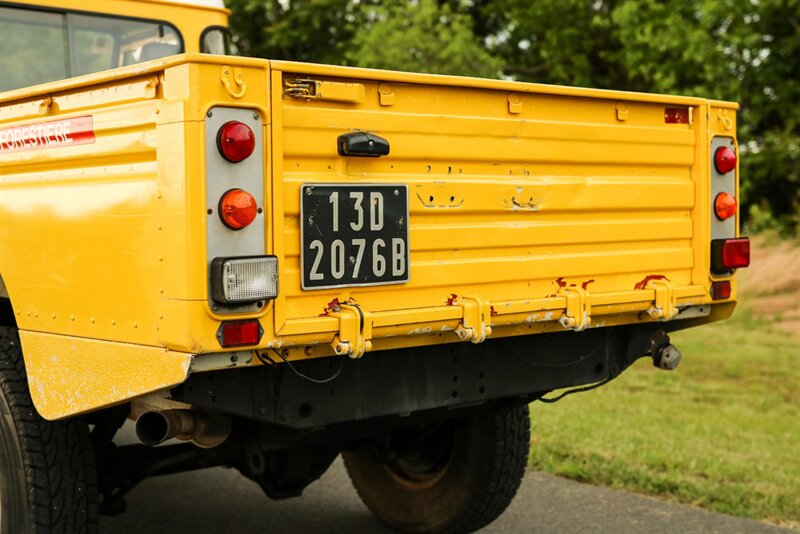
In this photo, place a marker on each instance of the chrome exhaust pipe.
(205, 430)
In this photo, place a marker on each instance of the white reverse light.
(238, 280)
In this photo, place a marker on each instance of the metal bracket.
(355, 331)
(578, 314)
(233, 80)
(665, 304)
(474, 325)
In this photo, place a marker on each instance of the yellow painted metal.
(68, 376)
(533, 209)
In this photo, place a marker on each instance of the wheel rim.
(418, 458)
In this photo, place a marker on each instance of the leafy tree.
(742, 50)
(318, 31)
(422, 36)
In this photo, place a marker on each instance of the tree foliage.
(747, 51)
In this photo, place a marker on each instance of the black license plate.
(353, 235)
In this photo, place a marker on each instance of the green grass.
(722, 432)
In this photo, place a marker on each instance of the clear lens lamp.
(241, 280)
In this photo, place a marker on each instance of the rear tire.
(456, 476)
(47, 468)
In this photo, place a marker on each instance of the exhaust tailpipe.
(205, 430)
(667, 357)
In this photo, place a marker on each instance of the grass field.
(722, 432)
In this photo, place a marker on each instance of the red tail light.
(238, 333)
(237, 209)
(676, 115)
(724, 160)
(727, 254)
(721, 290)
(725, 206)
(236, 141)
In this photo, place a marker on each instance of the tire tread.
(58, 456)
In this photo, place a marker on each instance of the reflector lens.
(727, 254)
(724, 160)
(725, 206)
(236, 141)
(238, 333)
(676, 115)
(239, 280)
(721, 290)
(237, 209)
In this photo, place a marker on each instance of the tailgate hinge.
(474, 324)
(578, 314)
(665, 304)
(355, 330)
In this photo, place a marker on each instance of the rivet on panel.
(71, 317)
(136, 325)
(113, 322)
(92, 320)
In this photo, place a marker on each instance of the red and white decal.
(52, 134)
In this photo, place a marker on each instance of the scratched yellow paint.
(74, 375)
(539, 207)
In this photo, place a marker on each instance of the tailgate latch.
(355, 330)
(307, 89)
(578, 315)
(665, 303)
(474, 325)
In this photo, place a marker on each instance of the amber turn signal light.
(237, 209)
(236, 141)
(725, 206)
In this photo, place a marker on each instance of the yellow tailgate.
(527, 202)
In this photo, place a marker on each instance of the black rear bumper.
(405, 382)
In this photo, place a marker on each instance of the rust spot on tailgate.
(647, 279)
(332, 306)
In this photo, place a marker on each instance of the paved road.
(222, 501)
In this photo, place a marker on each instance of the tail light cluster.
(241, 276)
(728, 252)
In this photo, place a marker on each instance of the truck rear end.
(281, 262)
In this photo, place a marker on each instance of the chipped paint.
(647, 279)
(420, 330)
(68, 376)
(586, 283)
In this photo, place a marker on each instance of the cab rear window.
(38, 46)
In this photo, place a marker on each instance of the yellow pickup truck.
(279, 262)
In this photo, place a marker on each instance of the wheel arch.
(6, 310)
